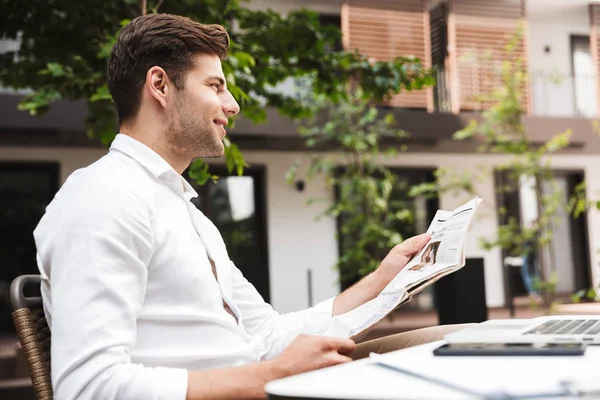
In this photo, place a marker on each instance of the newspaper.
(442, 255)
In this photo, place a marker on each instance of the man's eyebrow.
(218, 78)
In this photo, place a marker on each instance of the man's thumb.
(415, 244)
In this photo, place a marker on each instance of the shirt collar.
(154, 163)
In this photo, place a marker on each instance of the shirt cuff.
(172, 385)
(322, 314)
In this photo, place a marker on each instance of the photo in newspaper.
(442, 255)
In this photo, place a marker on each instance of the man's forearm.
(246, 382)
(370, 287)
(366, 289)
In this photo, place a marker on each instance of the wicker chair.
(34, 334)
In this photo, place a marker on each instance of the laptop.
(553, 329)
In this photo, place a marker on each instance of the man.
(138, 289)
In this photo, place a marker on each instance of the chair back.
(34, 334)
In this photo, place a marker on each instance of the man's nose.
(230, 106)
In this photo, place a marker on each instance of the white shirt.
(129, 292)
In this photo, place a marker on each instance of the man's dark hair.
(167, 41)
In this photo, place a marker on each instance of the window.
(237, 206)
(26, 189)
(584, 77)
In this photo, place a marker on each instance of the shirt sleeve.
(259, 318)
(93, 252)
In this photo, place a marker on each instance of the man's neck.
(176, 161)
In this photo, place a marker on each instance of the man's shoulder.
(113, 172)
(111, 184)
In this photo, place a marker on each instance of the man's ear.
(158, 84)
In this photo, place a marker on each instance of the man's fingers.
(414, 244)
(346, 346)
(340, 359)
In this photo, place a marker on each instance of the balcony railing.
(560, 95)
(552, 94)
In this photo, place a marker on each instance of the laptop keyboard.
(567, 327)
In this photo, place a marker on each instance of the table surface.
(366, 379)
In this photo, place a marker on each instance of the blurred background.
(360, 118)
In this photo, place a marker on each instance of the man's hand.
(401, 254)
(307, 353)
(370, 287)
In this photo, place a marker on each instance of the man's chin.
(213, 153)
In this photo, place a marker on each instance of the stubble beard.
(192, 136)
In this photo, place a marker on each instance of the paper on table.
(527, 377)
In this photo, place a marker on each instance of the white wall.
(297, 241)
(551, 23)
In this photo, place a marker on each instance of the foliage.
(370, 215)
(590, 294)
(500, 130)
(65, 45)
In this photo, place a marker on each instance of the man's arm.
(259, 318)
(305, 353)
(370, 286)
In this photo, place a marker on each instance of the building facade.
(278, 241)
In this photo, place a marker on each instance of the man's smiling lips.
(222, 122)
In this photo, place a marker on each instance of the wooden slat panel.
(411, 37)
(410, 16)
(389, 5)
(489, 32)
(481, 29)
(509, 9)
(595, 14)
(385, 29)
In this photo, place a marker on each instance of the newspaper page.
(442, 255)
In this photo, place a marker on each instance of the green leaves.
(39, 101)
(234, 158)
(101, 93)
(557, 143)
(370, 215)
(56, 70)
(199, 172)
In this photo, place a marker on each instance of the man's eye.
(217, 86)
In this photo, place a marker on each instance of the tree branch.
(157, 6)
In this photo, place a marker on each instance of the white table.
(365, 379)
